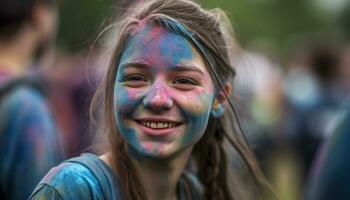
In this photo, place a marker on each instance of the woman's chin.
(156, 150)
(153, 149)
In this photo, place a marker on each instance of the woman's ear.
(220, 101)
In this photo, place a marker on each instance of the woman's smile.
(159, 123)
(159, 126)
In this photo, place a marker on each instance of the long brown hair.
(211, 33)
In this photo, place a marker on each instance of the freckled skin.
(161, 51)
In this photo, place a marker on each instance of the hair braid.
(211, 162)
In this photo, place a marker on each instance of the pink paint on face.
(163, 93)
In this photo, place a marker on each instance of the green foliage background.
(274, 26)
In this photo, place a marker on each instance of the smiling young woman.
(166, 94)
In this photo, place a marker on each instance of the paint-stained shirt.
(89, 178)
(29, 145)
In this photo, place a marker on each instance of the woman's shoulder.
(83, 177)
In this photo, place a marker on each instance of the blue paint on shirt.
(89, 178)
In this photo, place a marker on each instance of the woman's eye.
(186, 81)
(135, 81)
(135, 78)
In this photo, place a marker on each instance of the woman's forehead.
(155, 45)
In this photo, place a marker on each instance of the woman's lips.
(158, 124)
(158, 128)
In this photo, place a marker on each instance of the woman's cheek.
(126, 100)
(197, 103)
(196, 109)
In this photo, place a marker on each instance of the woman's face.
(163, 93)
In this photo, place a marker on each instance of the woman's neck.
(160, 177)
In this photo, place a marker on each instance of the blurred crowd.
(292, 110)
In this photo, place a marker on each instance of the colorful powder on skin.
(161, 52)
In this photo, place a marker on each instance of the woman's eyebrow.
(143, 66)
(139, 65)
(187, 68)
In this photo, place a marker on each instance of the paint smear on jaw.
(154, 148)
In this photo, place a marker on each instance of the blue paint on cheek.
(196, 127)
(122, 103)
(124, 110)
(129, 134)
(196, 123)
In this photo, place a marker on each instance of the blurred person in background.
(29, 144)
(258, 85)
(260, 94)
(313, 95)
(71, 84)
(345, 70)
(330, 177)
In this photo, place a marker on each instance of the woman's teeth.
(158, 125)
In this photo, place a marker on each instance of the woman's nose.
(158, 99)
